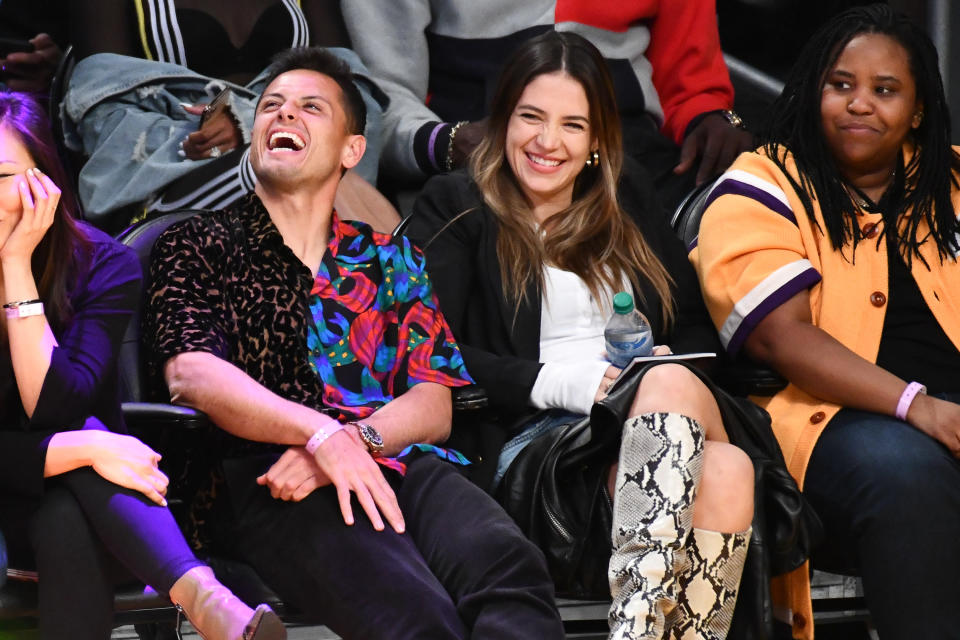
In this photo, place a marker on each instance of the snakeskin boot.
(708, 584)
(661, 456)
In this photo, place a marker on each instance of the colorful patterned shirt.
(376, 328)
(362, 332)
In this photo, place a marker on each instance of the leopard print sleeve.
(185, 300)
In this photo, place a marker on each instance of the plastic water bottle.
(627, 333)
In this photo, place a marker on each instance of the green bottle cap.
(623, 303)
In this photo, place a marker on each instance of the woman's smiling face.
(14, 161)
(548, 141)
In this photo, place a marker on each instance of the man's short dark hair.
(322, 61)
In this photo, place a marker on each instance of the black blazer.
(458, 233)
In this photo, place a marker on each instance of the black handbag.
(556, 491)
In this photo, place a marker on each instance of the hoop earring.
(593, 160)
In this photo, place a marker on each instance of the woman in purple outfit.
(77, 494)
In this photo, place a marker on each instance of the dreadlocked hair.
(795, 128)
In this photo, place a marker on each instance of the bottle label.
(623, 348)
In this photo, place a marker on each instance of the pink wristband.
(321, 436)
(906, 399)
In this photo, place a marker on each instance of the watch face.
(371, 436)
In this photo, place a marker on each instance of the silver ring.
(215, 152)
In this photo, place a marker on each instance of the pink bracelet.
(906, 399)
(321, 436)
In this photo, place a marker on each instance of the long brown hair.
(63, 253)
(593, 237)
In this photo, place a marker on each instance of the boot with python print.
(661, 457)
(708, 584)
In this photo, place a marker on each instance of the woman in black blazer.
(72, 485)
(525, 253)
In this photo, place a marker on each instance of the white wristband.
(321, 436)
(24, 310)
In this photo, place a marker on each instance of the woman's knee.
(673, 388)
(725, 496)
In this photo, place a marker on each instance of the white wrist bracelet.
(24, 309)
(321, 435)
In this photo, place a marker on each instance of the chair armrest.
(751, 379)
(181, 435)
(156, 415)
(469, 398)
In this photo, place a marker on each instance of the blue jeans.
(540, 424)
(889, 498)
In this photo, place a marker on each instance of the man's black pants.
(463, 568)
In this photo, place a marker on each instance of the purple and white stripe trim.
(770, 293)
(742, 183)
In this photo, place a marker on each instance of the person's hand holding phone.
(218, 132)
(29, 65)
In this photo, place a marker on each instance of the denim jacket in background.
(125, 115)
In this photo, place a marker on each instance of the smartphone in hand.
(14, 45)
(216, 108)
